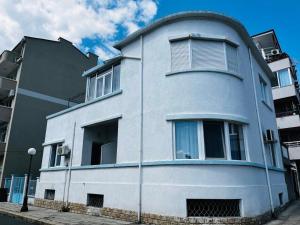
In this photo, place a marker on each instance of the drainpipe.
(261, 134)
(141, 133)
(70, 166)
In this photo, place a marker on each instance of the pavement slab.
(53, 217)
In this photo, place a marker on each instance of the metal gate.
(17, 190)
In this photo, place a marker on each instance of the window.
(104, 83)
(213, 207)
(55, 159)
(95, 200)
(263, 90)
(207, 140)
(214, 139)
(180, 54)
(91, 90)
(284, 77)
(203, 54)
(272, 154)
(186, 140)
(116, 78)
(236, 142)
(49, 194)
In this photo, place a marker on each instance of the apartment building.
(37, 77)
(179, 127)
(285, 91)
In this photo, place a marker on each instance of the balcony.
(288, 119)
(5, 113)
(8, 63)
(2, 148)
(284, 92)
(294, 149)
(7, 84)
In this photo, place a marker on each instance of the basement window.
(213, 207)
(49, 194)
(95, 200)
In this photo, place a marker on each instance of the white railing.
(292, 144)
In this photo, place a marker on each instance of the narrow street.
(291, 216)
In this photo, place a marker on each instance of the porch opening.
(100, 144)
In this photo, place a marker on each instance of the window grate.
(213, 207)
(49, 194)
(95, 200)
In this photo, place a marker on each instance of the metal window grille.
(213, 207)
(31, 187)
(95, 200)
(49, 194)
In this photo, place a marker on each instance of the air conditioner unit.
(269, 137)
(63, 150)
(275, 52)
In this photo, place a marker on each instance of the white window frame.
(201, 142)
(278, 80)
(99, 76)
(56, 155)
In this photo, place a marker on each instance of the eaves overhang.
(102, 67)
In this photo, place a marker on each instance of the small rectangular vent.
(95, 200)
(213, 207)
(49, 194)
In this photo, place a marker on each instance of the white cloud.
(72, 19)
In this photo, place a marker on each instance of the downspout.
(70, 166)
(261, 134)
(141, 133)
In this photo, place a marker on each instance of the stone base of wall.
(147, 218)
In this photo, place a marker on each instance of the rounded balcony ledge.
(224, 72)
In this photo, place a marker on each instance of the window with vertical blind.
(189, 54)
(209, 139)
(103, 83)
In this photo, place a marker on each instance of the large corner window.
(200, 54)
(208, 139)
(104, 83)
(282, 78)
(186, 137)
(55, 158)
(237, 145)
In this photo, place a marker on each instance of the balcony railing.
(294, 149)
(288, 113)
(292, 144)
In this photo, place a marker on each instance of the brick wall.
(147, 218)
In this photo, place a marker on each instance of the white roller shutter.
(208, 55)
(180, 55)
(232, 59)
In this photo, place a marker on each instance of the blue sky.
(95, 25)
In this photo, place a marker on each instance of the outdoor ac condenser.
(109, 153)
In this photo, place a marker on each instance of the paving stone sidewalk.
(53, 217)
(291, 216)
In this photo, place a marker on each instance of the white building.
(176, 123)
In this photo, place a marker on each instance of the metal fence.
(213, 207)
(32, 188)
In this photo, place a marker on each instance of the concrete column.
(9, 197)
